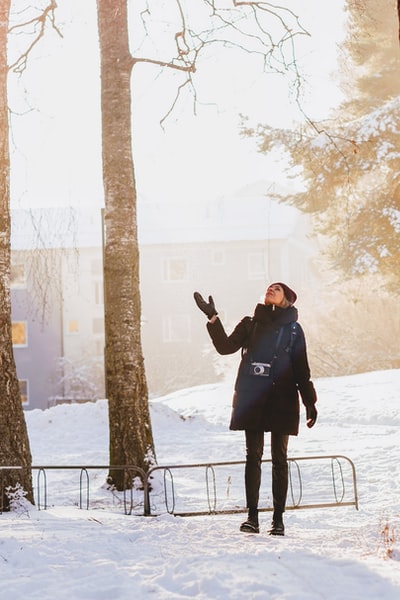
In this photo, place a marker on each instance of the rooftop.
(251, 213)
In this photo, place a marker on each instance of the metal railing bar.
(291, 460)
(145, 478)
(209, 469)
(87, 488)
(41, 469)
(41, 472)
(334, 479)
(241, 462)
(291, 482)
(235, 511)
(170, 511)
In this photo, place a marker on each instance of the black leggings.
(254, 453)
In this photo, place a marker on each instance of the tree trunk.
(14, 442)
(398, 16)
(131, 440)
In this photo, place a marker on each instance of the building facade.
(57, 291)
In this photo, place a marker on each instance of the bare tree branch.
(171, 65)
(260, 28)
(274, 10)
(177, 96)
(39, 27)
(180, 39)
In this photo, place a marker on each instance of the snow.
(66, 552)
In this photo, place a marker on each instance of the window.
(99, 347)
(218, 257)
(72, 263)
(98, 326)
(18, 279)
(175, 269)
(256, 265)
(96, 267)
(23, 390)
(176, 329)
(19, 331)
(98, 292)
(73, 326)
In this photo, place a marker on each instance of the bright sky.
(57, 155)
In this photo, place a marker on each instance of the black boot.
(277, 526)
(251, 523)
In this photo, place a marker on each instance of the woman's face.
(274, 295)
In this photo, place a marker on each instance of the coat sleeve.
(302, 370)
(229, 344)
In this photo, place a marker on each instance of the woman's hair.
(285, 303)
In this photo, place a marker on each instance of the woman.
(273, 370)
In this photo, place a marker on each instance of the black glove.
(312, 414)
(208, 308)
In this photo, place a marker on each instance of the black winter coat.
(267, 403)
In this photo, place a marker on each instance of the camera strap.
(278, 341)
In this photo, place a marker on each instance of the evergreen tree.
(350, 164)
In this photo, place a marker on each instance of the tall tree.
(350, 164)
(260, 28)
(371, 57)
(131, 440)
(14, 442)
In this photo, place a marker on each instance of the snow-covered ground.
(331, 553)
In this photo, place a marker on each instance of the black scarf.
(268, 314)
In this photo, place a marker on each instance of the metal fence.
(314, 482)
(194, 489)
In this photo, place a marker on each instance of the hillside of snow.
(66, 552)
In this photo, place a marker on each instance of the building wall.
(83, 325)
(177, 349)
(37, 307)
(63, 358)
(60, 309)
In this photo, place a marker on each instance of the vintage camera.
(261, 369)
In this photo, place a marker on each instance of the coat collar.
(264, 313)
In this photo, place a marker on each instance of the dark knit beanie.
(290, 295)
